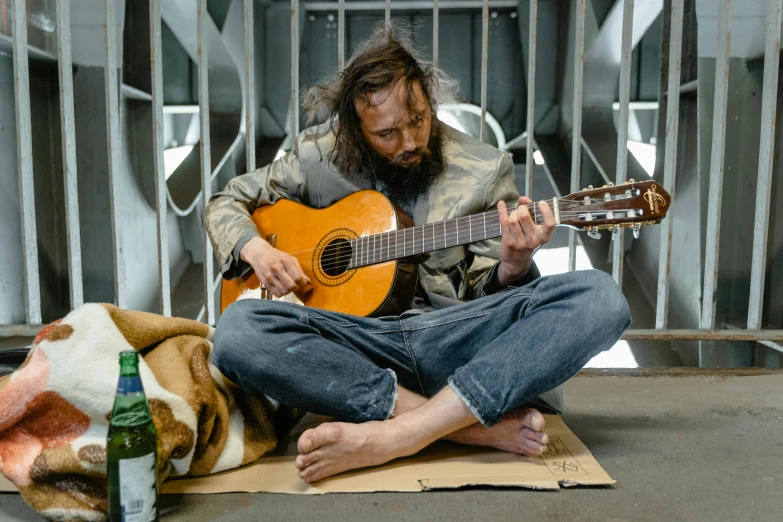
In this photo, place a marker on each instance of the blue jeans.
(497, 353)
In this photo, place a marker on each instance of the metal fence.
(707, 330)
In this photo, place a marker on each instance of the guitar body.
(318, 238)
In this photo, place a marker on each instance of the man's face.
(398, 133)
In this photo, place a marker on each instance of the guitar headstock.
(611, 207)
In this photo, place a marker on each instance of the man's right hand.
(279, 272)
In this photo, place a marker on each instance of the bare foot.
(520, 431)
(334, 447)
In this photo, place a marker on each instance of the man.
(486, 335)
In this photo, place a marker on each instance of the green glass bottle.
(131, 449)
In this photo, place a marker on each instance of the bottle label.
(138, 490)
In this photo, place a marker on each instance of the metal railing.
(707, 331)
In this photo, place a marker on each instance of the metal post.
(206, 155)
(766, 161)
(67, 129)
(670, 162)
(24, 143)
(294, 68)
(716, 166)
(622, 130)
(250, 89)
(113, 150)
(387, 16)
(531, 97)
(435, 31)
(576, 132)
(484, 64)
(340, 35)
(161, 202)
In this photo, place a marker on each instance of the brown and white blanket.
(55, 409)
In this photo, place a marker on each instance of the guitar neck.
(406, 242)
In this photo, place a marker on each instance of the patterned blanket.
(55, 409)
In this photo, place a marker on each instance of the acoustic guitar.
(361, 253)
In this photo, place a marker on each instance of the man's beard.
(405, 183)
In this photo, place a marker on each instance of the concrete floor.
(698, 445)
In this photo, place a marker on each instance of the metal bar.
(484, 64)
(595, 161)
(341, 35)
(775, 346)
(294, 68)
(24, 144)
(161, 203)
(387, 16)
(126, 91)
(206, 155)
(215, 285)
(412, 5)
(622, 131)
(638, 106)
(766, 162)
(250, 89)
(670, 163)
(113, 150)
(20, 330)
(703, 335)
(67, 129)
(435, 31)
(691, 86)
(576, 132)
(531, 97)
(716, 166)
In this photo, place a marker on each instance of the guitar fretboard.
(396, 244)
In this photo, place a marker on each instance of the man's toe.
(315, 438)
(534, 420)
(307, 459)
(538, 436)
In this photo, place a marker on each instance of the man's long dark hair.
(382, 61)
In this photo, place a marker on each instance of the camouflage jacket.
(477, 176)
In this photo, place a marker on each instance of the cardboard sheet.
(441, 466)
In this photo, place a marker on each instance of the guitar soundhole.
(336, 257)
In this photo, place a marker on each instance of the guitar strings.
(371, 250)
(564, 210)
(563, 205)
(377, 251)
(370, 247)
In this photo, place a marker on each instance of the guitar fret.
(485, 225)
(444, 234)
(433, 236)
(457, 222)
(470, 228)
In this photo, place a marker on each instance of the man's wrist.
(249, 253)
(508, 274)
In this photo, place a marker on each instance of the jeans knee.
(228, 334)
(610, 303)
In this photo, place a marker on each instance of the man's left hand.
(522, 237)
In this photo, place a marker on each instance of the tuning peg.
(593, 233)
(636, 228)
(615, 232)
